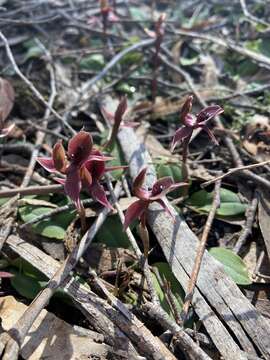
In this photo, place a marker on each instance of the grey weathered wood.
(216, 295)
(120, 330)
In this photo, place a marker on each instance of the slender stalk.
(200, 251)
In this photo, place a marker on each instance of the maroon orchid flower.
(83, 167)
(192, 122)
(116, 120)
(138, 209)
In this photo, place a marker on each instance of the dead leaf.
(50, 337)
(7, 96)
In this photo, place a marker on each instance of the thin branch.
(192, 349)
(251, 213)
(32, 190)
(234, 170)
(200, 250)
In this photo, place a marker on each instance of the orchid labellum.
(138, 209)
(83, 167)
(192, 122)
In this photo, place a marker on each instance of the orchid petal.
(98, 194)
(5, 274)
(208, 113)
(95, 167)
(99, 158)
(79, 147)
(190, 120)
(139, 180)
(121, 109)
(186, 108)
(73, 184)
(163, 186)
(59, 157)
(210, 134)
(133, 212)
(166, 208)
(180, 135)
(60, 180)
(86, 177)
(47, 163)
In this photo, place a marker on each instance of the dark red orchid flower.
(192, 122)
(83, 167)
(138, 209)
(116, 120)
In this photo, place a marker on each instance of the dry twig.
(200, 250)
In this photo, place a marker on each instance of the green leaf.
(33, 50)
(26, 286)
(4, 200)
(93, 62)
(234, 266)
(188, 61)
(54, 227)
(129, 59)
(230, 204)
(178, 293)
(173, 170)
(111, 233)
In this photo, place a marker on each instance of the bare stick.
(31, 86)
(32, 190)
(234, 170)
(190, 347)
(251, 213)
(200, 251)
(54, 212)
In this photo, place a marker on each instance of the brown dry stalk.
(200, 250)
(32, 190)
